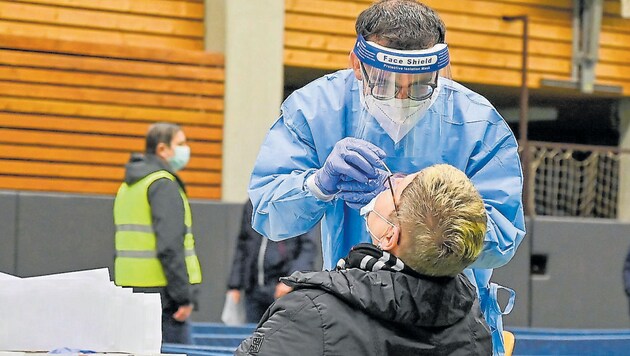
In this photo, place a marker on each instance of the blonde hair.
(443, 222)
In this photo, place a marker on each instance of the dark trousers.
(173, 331)
(257, 301)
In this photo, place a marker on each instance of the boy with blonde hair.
(402, 295)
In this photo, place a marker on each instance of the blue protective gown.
(461, 128)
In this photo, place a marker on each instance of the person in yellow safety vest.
(155, 248)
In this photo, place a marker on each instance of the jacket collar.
(404, 297)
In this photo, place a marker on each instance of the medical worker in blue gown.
(327, 155)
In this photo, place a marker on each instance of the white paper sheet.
(5, 276)
(78, 310)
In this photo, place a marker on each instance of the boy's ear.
(390, 241)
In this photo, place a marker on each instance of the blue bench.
(229, 340)
(215, 339)
(197, 350)
(544, 341)
(220, 328)
(212, 339)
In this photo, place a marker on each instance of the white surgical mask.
(365, 211)
(397, 116)
(180, 158)
(369, 207)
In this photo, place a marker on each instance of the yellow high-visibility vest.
(136, 263)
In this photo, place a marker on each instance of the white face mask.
(180, 158)
(369, 207)
(397, 116)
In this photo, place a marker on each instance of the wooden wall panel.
(72, 112)
(148, 23)
(320, 34)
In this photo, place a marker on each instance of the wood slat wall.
(71, 112)
(149, 23)
(484, 48)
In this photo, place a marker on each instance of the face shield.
(397, 88)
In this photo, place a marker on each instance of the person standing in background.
(155, 247)
(259, 263)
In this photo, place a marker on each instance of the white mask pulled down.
(397, 116)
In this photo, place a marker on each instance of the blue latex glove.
(351, 158)
(357, 194)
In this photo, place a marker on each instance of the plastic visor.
(396, 125)
(385, 85)
(399, 61)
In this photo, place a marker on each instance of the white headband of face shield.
(402, 61)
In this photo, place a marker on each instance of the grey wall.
(58, 233)
(215, 227)
(8, 232)
(582, 285)
(581, 288)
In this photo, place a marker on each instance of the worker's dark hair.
(401, 24)
(161, 132)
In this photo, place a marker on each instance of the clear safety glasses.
(391, 189)
(386, 85)
(367, 227)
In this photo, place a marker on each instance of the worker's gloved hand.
(357, 194)
(352, 158)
